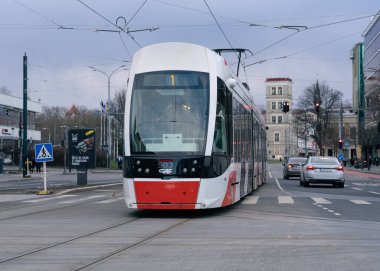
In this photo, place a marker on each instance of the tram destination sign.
(81, 146)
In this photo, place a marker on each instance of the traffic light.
(340, 143)
(317, 106)
(285, 107)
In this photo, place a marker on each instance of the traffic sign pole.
(44, 153)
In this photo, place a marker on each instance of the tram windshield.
(169, 112)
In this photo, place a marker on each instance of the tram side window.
(221, 132)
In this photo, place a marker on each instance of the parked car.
(292, 167)
(323, 170)
(7, 161)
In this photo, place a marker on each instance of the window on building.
(273, 119)
(279, 105)
(279, 90)
(273, 105)
(273, 90)
(279, 119)
(276, 137)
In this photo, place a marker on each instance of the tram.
(194, 139)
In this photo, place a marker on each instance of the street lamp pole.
(109, 141)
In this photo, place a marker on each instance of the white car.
(322, 170)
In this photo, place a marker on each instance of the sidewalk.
(12, 173)
(373, 170)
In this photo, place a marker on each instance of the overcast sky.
(60, 42)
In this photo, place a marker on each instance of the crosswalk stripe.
(360, 201)
(50, 198)
(359, 189)
(373, 192)
(250, 200)
(285, 200)
(321, 201)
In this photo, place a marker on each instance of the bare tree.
(5, 90)
(118, 104)
(328, 99)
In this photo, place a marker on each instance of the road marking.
(13, 197)
(50, 198)
(250, 200)
(360, 201)
(321, 201)
(359, 189)
(279, 186)
(270, 175)
(82, 199)
(285, 200)
(373, 192)
(108, 201)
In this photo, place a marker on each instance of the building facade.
(281, 140)
(11, 110)
(372, 79)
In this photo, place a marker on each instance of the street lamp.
(44, 128)
(109, 143)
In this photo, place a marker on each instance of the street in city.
(280, 226)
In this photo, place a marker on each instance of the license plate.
(325, 170)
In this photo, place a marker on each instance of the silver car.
(323, 170)
(292, 168)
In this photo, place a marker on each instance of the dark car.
(360, 163)
(293, 167)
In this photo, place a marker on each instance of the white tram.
(194, 139)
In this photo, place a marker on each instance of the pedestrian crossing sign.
(44, 152)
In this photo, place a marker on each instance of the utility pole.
(340, 126)
(25, 116)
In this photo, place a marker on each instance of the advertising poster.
(81, 148)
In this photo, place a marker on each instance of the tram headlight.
(139, 169)
(193, 169)
(147, 170)
(138, 162)
(195, 162)
(184, 170)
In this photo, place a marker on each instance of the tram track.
(92, 234)
(108, 255)
(42, 211)
(130, 246)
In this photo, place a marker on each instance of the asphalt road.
(281, 226)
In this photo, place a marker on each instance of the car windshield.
(324, 160)
(169, 112)
(297, 161)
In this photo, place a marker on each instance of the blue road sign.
(340, 157)
(43, 152)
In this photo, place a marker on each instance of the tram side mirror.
(231, 83)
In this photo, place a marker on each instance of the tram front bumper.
(166, 194)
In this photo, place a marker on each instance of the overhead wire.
(299, 31)
(41, 15)
(216, 21)
(106, 19)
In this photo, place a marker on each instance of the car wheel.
(306, 184)
(286, 177)
(341, 185)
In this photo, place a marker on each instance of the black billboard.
(81, 147)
